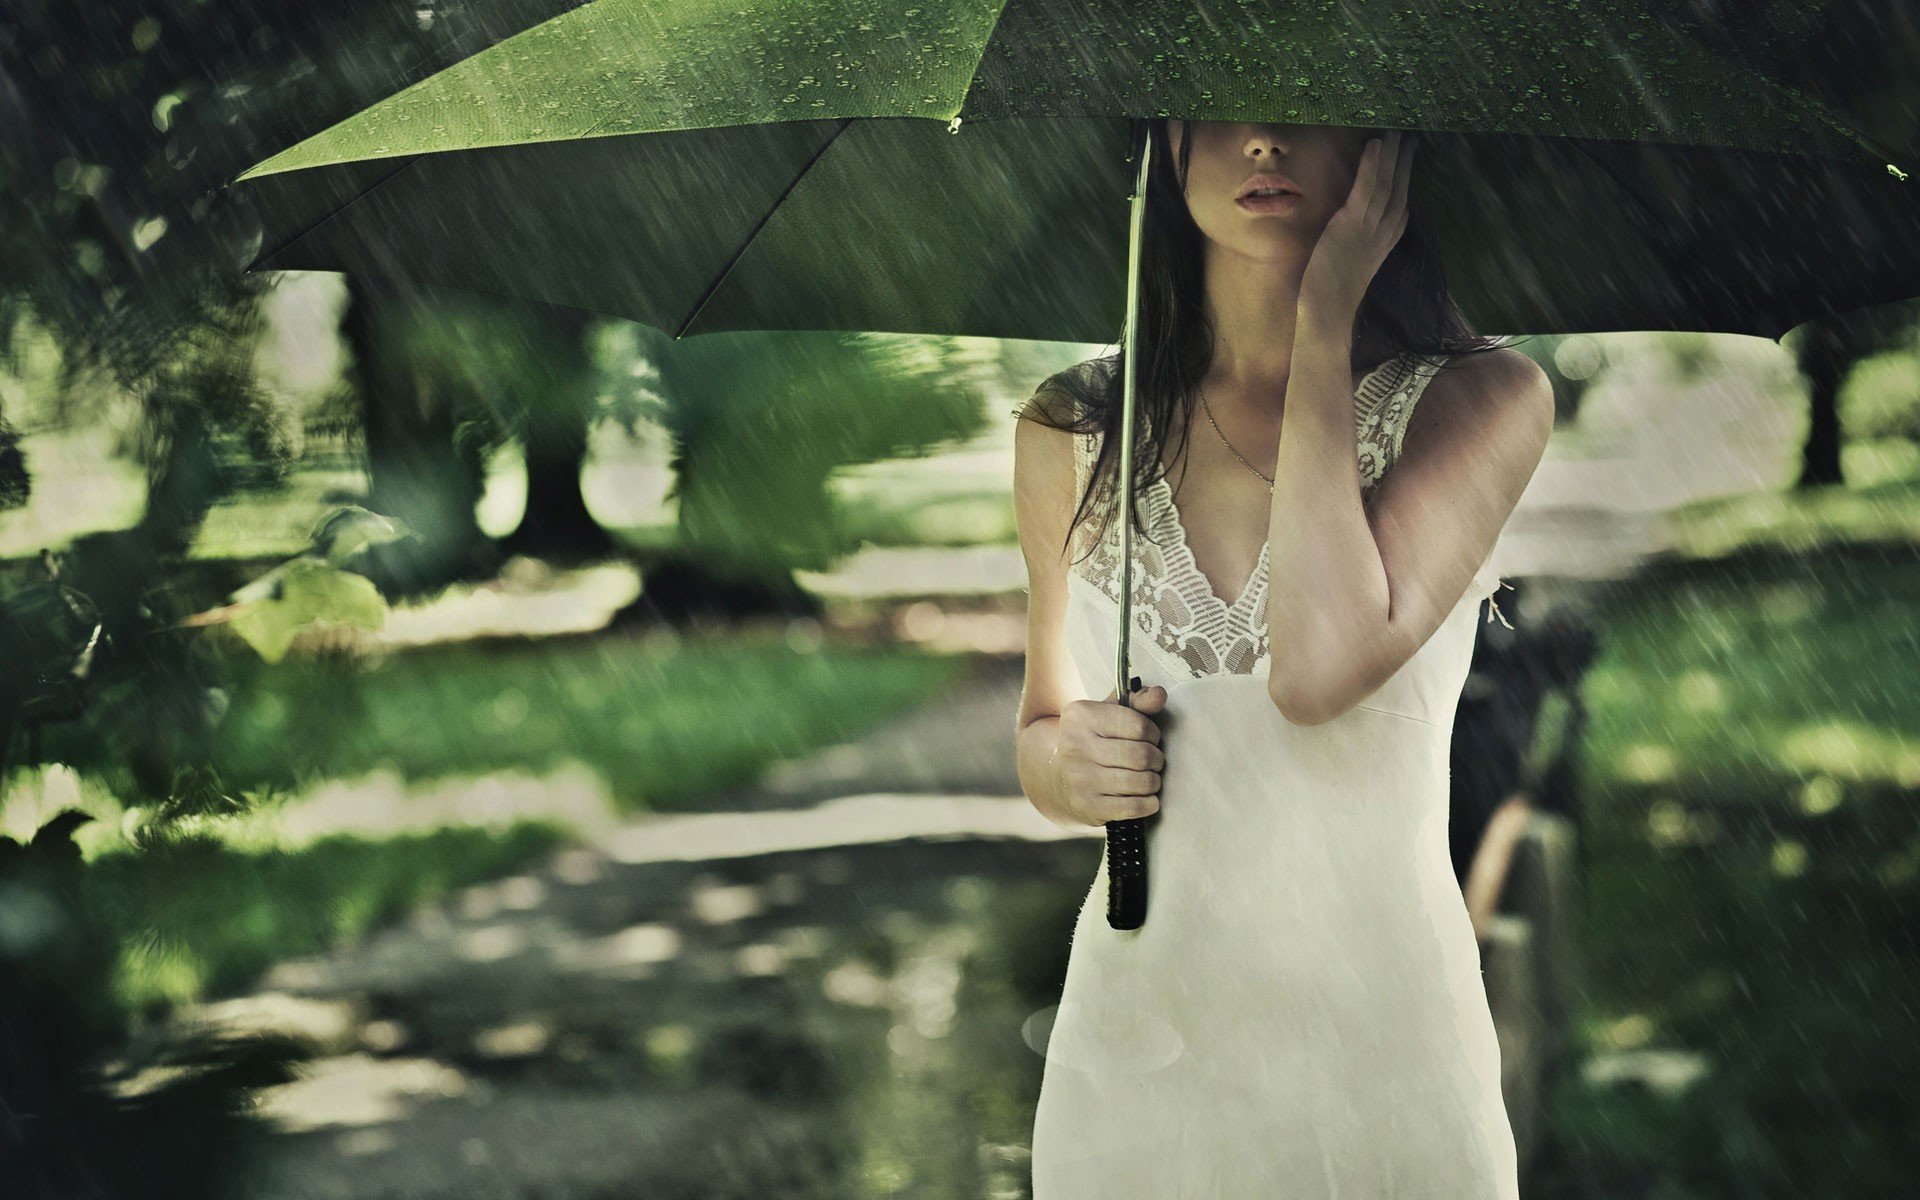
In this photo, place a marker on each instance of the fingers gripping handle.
(1127, 860)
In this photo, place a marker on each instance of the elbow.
(1302, 703)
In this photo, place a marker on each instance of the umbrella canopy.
(1584, 167)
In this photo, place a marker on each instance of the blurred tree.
(760, 421)
(443, 377)
(1884, 395)
(1857, 56)
(516, 368)
(210, 428)
(85, 1111)
(104, 251)
(417, 370)
(116, 120)
(1827, 351)
(117, 124)
(16, 483)
(111, 254)
(554, 414)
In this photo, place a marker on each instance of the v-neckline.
(1183, 547)
(1185, 561)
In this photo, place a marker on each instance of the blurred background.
(455, 746)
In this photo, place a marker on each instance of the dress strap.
(1423, 372)
(1382, 408)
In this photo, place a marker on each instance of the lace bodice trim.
(1173, 604)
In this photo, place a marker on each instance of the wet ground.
(832, 991)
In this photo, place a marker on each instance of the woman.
(1326, 458)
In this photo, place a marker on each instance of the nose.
(1265, 146)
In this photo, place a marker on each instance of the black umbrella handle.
(1127, 862)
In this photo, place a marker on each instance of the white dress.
(1302, 1016)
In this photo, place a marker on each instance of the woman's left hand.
(1360, 235)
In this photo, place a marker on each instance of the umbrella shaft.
(1127, 840)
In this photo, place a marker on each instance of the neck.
(1253, 303)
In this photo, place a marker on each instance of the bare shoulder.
(1501, 382)
(1499, 401)
(1040, 444)
(1047, 436)
(1043, 454)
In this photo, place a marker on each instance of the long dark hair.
(1407, 310)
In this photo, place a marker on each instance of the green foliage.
(109, 227)
(1752, 882)
(350, 531)
(159, 1122)
(312, 590)
(48, 637)
(193, 917)
(154, 692)
(300, 595)
(1761, 666)
(665, 724)
(760, 421)
(114, 236)
(1882, 396)
(208, 377)
(16, 484)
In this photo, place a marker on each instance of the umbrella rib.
(755, 231)
(363, 193)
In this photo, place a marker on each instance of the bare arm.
(1353, 593)
(1493, 860)
(1043, 506)
(1358, 588)
(1327, 588)
(1081, 762)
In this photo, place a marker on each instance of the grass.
(1886, 512)
(666, 723)
(1773, 668)
(199, 917)
(1752, 844)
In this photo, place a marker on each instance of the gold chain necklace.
(1208, 409)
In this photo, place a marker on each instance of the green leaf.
(348, 530)
(300, 595)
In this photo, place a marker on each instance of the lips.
(1266, 179)
(1279, 203)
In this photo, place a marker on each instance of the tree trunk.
(419, 471)
(181, 485)
(1826, 356)
(556, 524)
(678, 588)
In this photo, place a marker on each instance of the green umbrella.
(977, 167)
(822, 165)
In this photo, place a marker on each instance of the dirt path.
(823, 993)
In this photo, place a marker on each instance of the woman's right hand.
(1107, 761)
